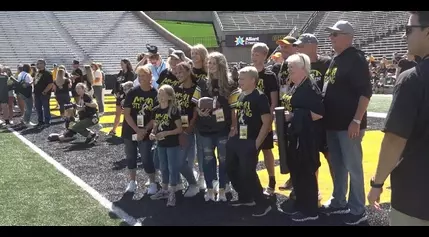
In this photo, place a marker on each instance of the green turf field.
(192, 33)
(34, 193)
(380, 103)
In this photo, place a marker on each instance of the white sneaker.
(161, 194)
(147, 183)
(221, 197)
(210, 195)
(152, 189)
(171, 202)
(202, 183)
(192, 191)
(216, 186)
(180, 186)
(132, 186)
(195, 173)
(228, 188)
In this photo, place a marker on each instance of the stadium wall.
(194, 16)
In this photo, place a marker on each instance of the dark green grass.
(33, 192)
(192, 33)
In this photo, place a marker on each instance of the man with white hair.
(347, 91)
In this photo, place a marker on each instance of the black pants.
(241, 162)
(303, 175)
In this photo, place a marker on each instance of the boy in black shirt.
(76, 77)
(43, 84)
(138, 106)
(267, 84)
(254, 121)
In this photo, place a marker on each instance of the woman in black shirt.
(126, 74)
(304, 110)
(62, 86)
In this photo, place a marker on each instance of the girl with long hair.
(188, 115)
(214, 125)
(138, 106)
(62, 87)
(97, 85)
(168, 76)
(126, 74)
(88, 79)
(167, 126)
(25, 92)
(200, 58)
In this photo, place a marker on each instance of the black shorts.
(268, 142)
(323, 145)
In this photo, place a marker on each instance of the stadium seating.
(109, 36)
(262, 20)
(387, 46)
(369, 25)
(29, 35)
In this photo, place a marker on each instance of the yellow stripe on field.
(371, 148)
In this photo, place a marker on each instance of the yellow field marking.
(371, 148)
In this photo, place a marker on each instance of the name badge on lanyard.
(140, 121)
(220, 117)
(243, 131)
(185, 121)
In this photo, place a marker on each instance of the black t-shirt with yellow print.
(184, 98)
(164, 123)
(141, 103)
(199, 73)
(249, 109)
(167, 77)
(210, 125)
(319, 68)
(267, 83)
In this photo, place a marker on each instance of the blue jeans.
(42, 107)
(200, 152)
(209, 143)
(169, 163)
(155, 155)
(346, 158)
(28, 107)
(145, 149)
(187, 159)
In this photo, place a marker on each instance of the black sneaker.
(301, 217)
(261, 211)
(330, 210)
(351, 219)
(239, 203)
(91, 139)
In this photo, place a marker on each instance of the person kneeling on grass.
(87, 111)
(167, 126)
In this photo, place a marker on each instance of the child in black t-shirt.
(254, 121)
(138, 106)
(62, 86)
(167, 126)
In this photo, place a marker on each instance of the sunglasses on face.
(409, 28)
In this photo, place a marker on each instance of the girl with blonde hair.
(62, 87)
(167, 126)
(214, 125)
(97, 85)
(199, 56)
(88, 78)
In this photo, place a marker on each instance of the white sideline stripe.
(376, 115)
(96, 195)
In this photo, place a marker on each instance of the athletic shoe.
(221, 197)
(171, 202)
(350, 219)
(261, 210)
(91, 139)
(152, 189)
(215, 186)
(269, 191)
(202, 183)
(132, 186)
(192, 191)
(180, 187)
(210, 195)
(330, 210)
(300, 217)
(228, 188)
(161, 194)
